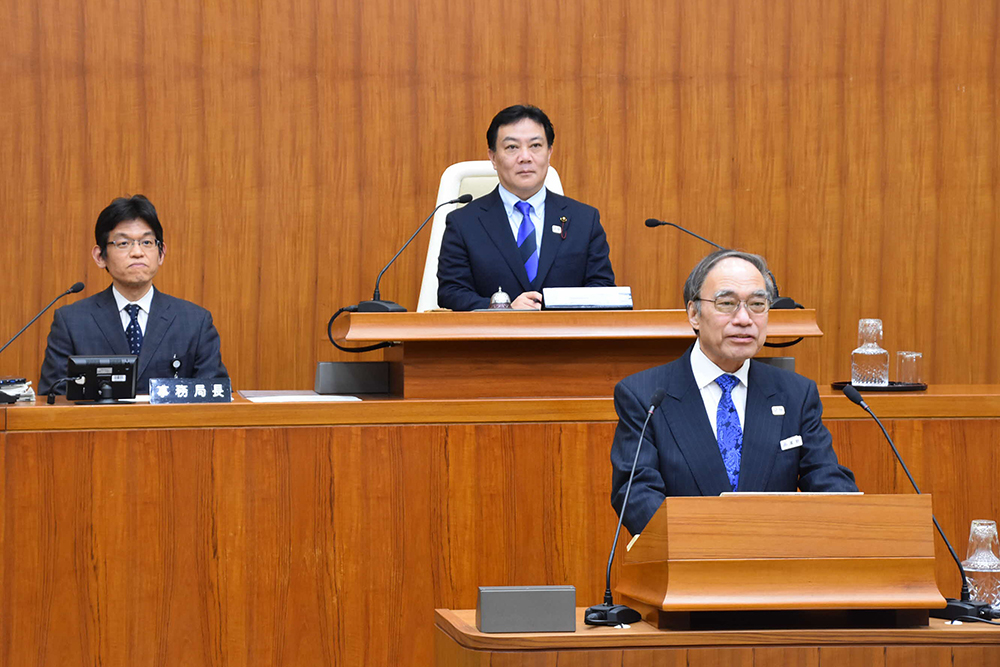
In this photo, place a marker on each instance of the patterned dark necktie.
(728, 430)
(526, 241)
(134, 331)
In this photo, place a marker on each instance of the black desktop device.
(101, 379)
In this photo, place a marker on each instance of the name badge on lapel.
(777, 410)
(791, 443)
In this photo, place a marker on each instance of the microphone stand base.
(785, 303)
(380, 307)
(611, 614)
(960, 608)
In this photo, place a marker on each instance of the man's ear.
(694, 317)
(98, 257)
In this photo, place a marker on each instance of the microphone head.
(77, 287)
(657, 398)
(853, 394)
(464, 199)
(653, 222)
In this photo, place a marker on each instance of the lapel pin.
(556, 229)
(777, 410)
(561, 227)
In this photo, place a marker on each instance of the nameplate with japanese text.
(190, 390)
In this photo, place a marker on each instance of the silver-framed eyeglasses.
(124, 245)
(758, 305)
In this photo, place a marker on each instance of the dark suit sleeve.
(819, 469)
(648, 488)
(456, 287)
(208, 355)
(57, 353)
(599, 271)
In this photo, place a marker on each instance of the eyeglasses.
(124, 245)
(727, 305)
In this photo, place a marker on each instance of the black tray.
(893, 386)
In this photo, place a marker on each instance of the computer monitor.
(101, 379)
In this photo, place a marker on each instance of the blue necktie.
(526, 241)
(728, 430)
(134, 331)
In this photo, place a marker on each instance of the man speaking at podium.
(520, 237)
(130, 316)
(727, 423)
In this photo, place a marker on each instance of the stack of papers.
(292, 396)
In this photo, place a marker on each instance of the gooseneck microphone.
(77, 287)
(780, 302)
(610, 613)
(964, 609)
(653, 222)
(377, 305)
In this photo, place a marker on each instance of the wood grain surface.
(952, 402)
(291, 148)
(459, 644)
(780, 552)
(460, 626)
(332, 545)
(532, 325)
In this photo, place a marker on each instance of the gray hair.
(696, 280)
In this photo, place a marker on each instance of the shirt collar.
(144, 303)
(705, 371)
(509, 199)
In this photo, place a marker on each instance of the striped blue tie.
(134, 331)
(526, 241)
(728, 430)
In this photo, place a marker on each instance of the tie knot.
(133, 310)
(727, 382)
(524, 207)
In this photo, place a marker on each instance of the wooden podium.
(853, 557)
(531, 354)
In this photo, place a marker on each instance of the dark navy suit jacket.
(680, 454)
(175, 327)
(479, 254)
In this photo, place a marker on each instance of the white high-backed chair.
(477, 178)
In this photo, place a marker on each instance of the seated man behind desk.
(520, 237)
(727, 423)
(130, 316)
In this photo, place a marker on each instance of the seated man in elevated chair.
(520, 237)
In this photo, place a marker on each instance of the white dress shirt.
(514, 216)
(705, 374)
(144, 303)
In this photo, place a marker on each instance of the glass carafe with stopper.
(870, 361)
(982, 567)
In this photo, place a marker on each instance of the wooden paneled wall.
(332, 546)
(291, 147)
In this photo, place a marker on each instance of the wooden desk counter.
(938, 402)
(547, 324)
(460, 625)
(326, 534)
(502, 354)
(459, 644)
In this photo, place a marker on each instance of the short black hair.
(517, 113)
(124, 209)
